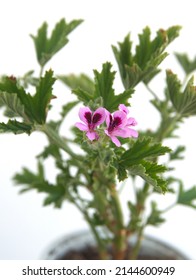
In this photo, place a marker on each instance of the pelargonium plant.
(112, 149)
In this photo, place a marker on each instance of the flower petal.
(115, 141)
(108, 118)
(119, 119)
(124, 133)
(131, 121)
(92, 135)
(85, 115)
(81, 126)
(98, 116)
(133, 133)
(123, 108)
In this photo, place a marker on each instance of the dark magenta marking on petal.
(96, 118)
(116, 122)
(88, 116)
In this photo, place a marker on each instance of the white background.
(27, 228)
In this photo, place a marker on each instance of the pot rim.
(64, 240)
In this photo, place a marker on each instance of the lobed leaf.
(104, 88)
(15, 127)
(187, 197)
(13, 104)
(155, 218)
(46, 47)
(183, 102)
(149, 172)
(81, 81)
(188, 65)
(143, 148)
(143, 65)
(42, 98)
(37, 181)
(123, 55)
(176, 154)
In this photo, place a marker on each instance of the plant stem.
(120, 238)
(152, 92)
(101, 245)
(41, 71)
(56, 139)
(136, 248)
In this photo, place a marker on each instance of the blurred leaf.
(187, 197)
(188, 65)
(81, 81)
(155, 218)
(184, 102)
(135, 220)
(46, 47)
(176, 154)
(37, 181)
(67, 108)
(83, 95)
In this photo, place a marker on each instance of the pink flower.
(118, 125)
(90, 121)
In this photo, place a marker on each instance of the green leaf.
(15, 127)
(139, 161)
(123, 55)
(143, 50)
(43, 97)
(122, 172)
(46, 47)
(31, 108)
(187, 197)
(176, 154)
(83, 95)
(149, 171)
(14, 107)
(67, 108)
(104, 88)
(183, 102)
(155, 218)
(143, 65)
(188, 65)
(21, 104)
(143, 148)
(135, 219)
(81, 81)
(37, 181)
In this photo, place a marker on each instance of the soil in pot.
(81, 246)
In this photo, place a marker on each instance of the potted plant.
(106, 149)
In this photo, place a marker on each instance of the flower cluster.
(118, 124)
